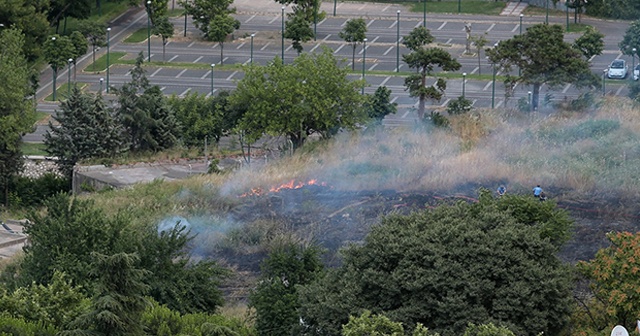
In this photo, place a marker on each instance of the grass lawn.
(101, 63)
(33, 148)
(137, 36)
(41, 116)
(109, 10)
(467, 7)
(61, 92)
(175, 12)
(116, 58)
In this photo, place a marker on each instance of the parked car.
(636, 72)
(617, 69)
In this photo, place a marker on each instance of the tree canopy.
(354, 32)
(311, 96)
(445, 267)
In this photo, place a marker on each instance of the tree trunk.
(221, 53)
(353, 58)
(164, 43)
(94, 58)
(423, 98)
(479, 66)
(535, 96)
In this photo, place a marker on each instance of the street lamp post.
(529, 101)
(633, 63)
(315, 20)
(546, 20)
(334, 7)
(398, 42)
(364, 61)
(100, 91)
(604, 75)
(493, 86)
(149, 30)
(567, 10)
(464, 80)
(521, 16)
(212, 65)
(69, 77)
(55, 73)
(108, 38)
(252, 36)
(185, 23)
(424, 14)
(282, 35)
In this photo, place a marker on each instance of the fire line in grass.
(293, 184)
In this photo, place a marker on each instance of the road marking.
(344, 23)
(340, 47)
(191, 44)
(155, 72)
(405, 115)
(197, 59)
(363, 6)
(326, 38)
(163, 88)
(491, 27)
(445, 102)
(388, 50)
(206, 75)
(499, 103)
(314, 47)
(167, 43)
(224, 59)
(209, 93)
(375, 39)
(265, 46)
(398, 69)
(185, 92)
(251, 18)
(231, 75)
(418, 25)
(515, 28)
(172, 58)
(448, 41)
(474, 102)
(128, 73)
(394, 99)
(275, 18)
(181, 72)
(385, 81)
(393, 24)
(474, 70)
(289, 48)
(566, 88)
(373, 66)
(240, 45)
(442, 25)
(321, 22)
(362, 49)
(384, 9)
(619, 90)
(215, 45)
(592, 57)
(370, 22)
(486, 86)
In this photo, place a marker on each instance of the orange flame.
(289, 185)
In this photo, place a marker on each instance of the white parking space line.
(251, 18)
(405, 114)
(241, 45)
(474, 102)
(475, 70)
(206, 75)
(163, 88)
(361, 50)
(314, 47)
(340, 47)
(418, 25)
(168, 42)
(224, 59)
(620, 90)
(375, 39)
(265, 46)
(231, 75)
(566, 88)
(215, 45)
(515, 28)
(445, 102)
(442, 25)
(373, 66)
(321, 22)
(209, 93)
(344, 23)
(185, 92)
(362, 7)
(385, 81)
(181, 72)
(275, 18)
(172, 58)
(486, 86)
(197, 59)
(394, 99)
(128, 73)
(400, 67)
(289, 48)
(326, 38)
(385, 9)
(499, 103)
(370, 22)
(393, 24)
(388, 50)
(491, 27)
(592, 57)
(449, 41)
(155, 72)
(191, 44)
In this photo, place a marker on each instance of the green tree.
(57, 52)
(631, 39)
(298, 30)
(460, 105)
(275, 299)
(220, 27)
(17, 113)
(80, 46)
(85, 129)
(367, 324)
(446, 267)
(354, 32)
(204, 11)
(163, 28)
(544, 58)
(96, 33)
(479, 41)
(117, 308)
(379, 105)
(61, 9)
(158, 11)
(144, 112)
(591, 43)
(614, 284)
(614, 9)
(30, 17)
(487, 330)
(312, 95)
(308, 9)
(201, 117)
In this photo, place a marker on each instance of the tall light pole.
(185, 23)
(529, 101)
(100, 91)
(567, 8)
(424, 14)
(315, 20)
(364, 61)
(521, 15)
(69, 77)
(282, 35)
(398, 42)
(149, 30)
(108, 38)
(546, 20)
(604, 75)
(334, 7)
(493, 87)
(252, 36)
(212, 65)
(464, 81)
(55, 73)
(633, 63)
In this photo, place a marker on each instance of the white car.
(617, 69)
(636, 72)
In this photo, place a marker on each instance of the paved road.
(263, 18)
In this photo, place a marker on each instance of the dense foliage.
(458, 263)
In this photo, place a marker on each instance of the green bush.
(19, 327)
(459, 106)
(26, 191)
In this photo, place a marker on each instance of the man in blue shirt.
(537, 191)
